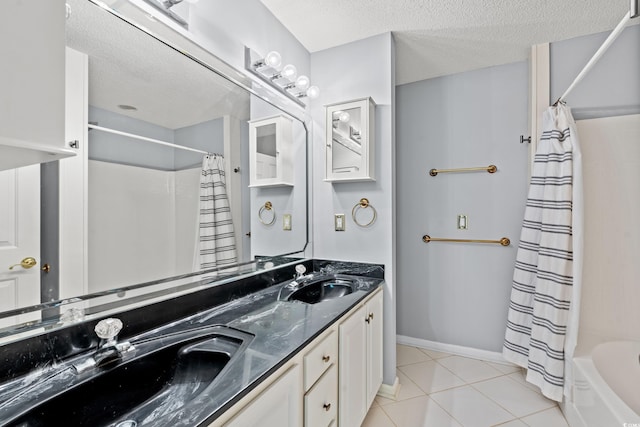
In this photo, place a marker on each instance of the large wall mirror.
(136, 216)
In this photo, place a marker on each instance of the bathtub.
(606, 389)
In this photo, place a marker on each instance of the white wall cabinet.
(270, 152)
(350, 154)
(360, 373)
(32, 83)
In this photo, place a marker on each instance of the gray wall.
(457, 293)
(357, 70)
(207, 136)
(612, 87)
(108, 147)
(103, 146)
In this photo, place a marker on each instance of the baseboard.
(474, 353)
(390, 391)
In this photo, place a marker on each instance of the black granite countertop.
(279, 330)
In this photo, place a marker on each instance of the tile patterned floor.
(443, 390)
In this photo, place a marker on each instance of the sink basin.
(313, 289)
(163, 375)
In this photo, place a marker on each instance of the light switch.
(463, 222)
(286, 222)
(339, 222)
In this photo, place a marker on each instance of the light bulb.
(302, 82)
(289, 72)
(273, 59)
(344, 117)
(313, 92)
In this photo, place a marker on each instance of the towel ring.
(363, 203)
(267, 207)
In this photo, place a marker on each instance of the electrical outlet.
(339, 222)
(286, 222)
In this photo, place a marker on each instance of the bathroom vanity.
(263, 349)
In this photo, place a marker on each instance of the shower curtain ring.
(267, 207)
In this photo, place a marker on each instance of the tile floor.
(443, 390)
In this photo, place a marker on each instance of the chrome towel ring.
(267, 207)
(363, 203)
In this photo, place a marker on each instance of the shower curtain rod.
(144, 138)
(632, 13)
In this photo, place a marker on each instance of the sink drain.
(127, 423)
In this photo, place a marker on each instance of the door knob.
(28, 262)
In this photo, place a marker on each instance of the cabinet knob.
(327, 406)
(369, 318)
(325, 359)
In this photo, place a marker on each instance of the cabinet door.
(374, 347)
(32, 82)
(349, 154)
(270, 152)
(280, 405)
(353, 370)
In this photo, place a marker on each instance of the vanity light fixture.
(285, 80)
(165, 6)
(271, 59)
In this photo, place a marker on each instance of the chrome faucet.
(109, 350)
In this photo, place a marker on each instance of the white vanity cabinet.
(331, 382)
(277, 406)
(32, 83)
(271, 152)
(321, 383)
(360, 356)
(350, 141)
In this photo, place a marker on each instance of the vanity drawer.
(319, 359)
(321, 402)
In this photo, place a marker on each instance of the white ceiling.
(127, 66)
(441, 37)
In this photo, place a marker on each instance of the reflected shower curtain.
(216, 238)
(542, 325)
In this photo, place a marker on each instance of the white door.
(19, 239)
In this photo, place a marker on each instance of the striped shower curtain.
(216, 238)
(545, 298)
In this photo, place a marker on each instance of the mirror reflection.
(347, 140)
(266, 151)
(160, 185)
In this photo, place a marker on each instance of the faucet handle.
(108, 329)
(300, 269)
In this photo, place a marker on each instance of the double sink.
(161, 376)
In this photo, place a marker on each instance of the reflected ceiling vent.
(127, 107)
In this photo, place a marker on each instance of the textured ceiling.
(441, 37)
(126, 66)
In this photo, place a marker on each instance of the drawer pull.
(368, 318)
(327, 406)
(325, 359)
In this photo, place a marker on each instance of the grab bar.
(503, 241)
(490, 169)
